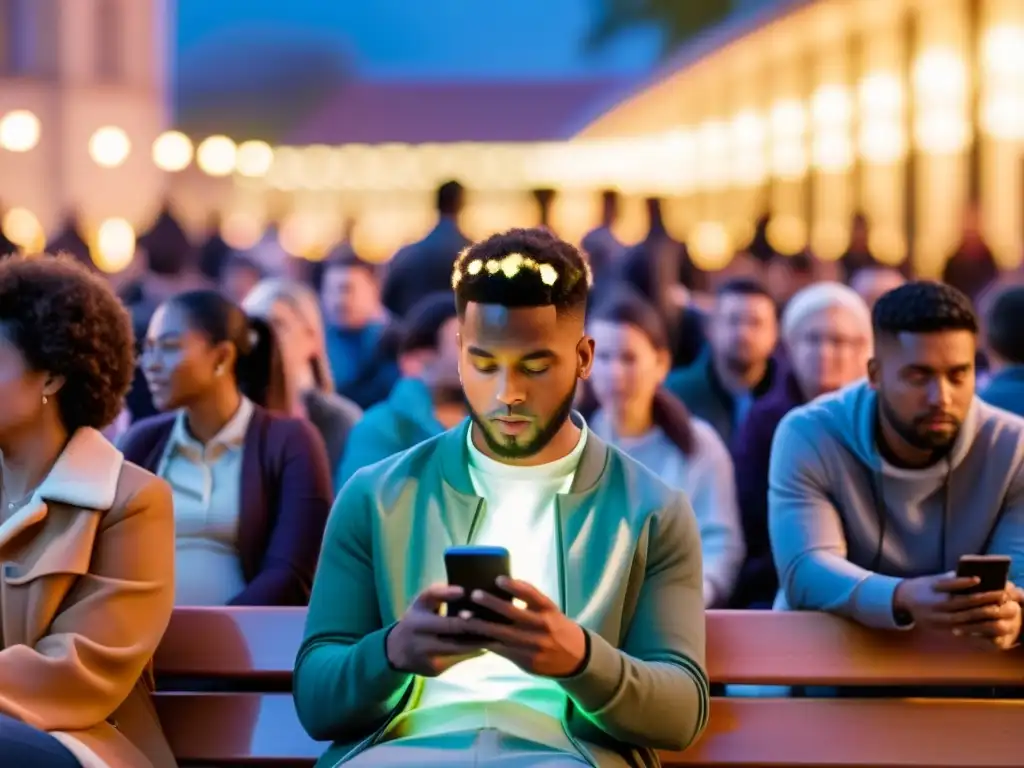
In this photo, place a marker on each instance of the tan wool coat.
(87, 591)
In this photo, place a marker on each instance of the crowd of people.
(648, 440)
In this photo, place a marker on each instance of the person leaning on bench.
(603, 663)
(877, 490)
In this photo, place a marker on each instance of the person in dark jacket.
(426, 267)
(251, 489)
(826, 330)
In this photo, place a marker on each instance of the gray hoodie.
(846, 526)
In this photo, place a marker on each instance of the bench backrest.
(753, 647)
(254, 649)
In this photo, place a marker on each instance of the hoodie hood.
(849, 415)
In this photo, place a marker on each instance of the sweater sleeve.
(713, 496)
(808, 539)
(654, 691)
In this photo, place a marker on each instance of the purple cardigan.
(285, 497)
(751, 452)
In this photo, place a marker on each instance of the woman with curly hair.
(251, 487)
(86, 538)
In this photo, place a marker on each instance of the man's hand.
(424, 642)
(540, 640)
(933, 602)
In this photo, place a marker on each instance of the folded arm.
(108, 627)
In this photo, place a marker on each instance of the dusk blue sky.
(418, 39)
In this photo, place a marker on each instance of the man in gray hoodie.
(877, 490)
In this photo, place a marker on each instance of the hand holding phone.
(424, 642)
(476, 568)
(990, 571)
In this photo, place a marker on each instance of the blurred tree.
(678, 20)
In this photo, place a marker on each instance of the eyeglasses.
(836, 341)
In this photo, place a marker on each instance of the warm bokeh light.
(710, 245)
(217, 155)
(940, 75)
(19, 131)
(299, 235)
(109, 146)
(829, 240)
(115, 245)
(1002, 48)
(241, 230)
(22, 228)
(787, 234)
(254, 159)
(172, 151)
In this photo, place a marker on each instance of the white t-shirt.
(520, 515)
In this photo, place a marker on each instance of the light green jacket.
(630, 576)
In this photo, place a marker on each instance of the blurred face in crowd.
(627, 367)
(180, 364)
(519, 368)
(237, 280)
(829, 350)
(873, 283)
(925, 384)
(743, 331)
(350, 296)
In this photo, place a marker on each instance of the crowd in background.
(292, 375)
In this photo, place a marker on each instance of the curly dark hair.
(923, 306)
(67, 321)
(522, 268)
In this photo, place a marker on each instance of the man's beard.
(913, 435)
(507, 447)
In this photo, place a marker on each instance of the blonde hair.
(306, 305)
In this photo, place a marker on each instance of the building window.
(109, 41)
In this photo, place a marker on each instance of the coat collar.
(85, 476)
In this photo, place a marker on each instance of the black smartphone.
(475, 568)
(993, 570)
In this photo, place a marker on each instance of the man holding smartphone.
(878, 491)
(598, 658)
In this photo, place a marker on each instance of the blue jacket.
(405, 419)
(1006, 390)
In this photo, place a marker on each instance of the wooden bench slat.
(755, 647)
(803, 648)
(244, 642)
(234, 729)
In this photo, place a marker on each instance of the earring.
(45, 400)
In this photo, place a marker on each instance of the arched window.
(109, 40)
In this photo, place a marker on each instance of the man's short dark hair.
(744, 286)
(422, 323)
(522, 268)
(923, 306)
(449, 198)
(349, 259)
(1004, 325)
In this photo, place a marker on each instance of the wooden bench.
(251, 650)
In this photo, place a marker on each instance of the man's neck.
(739, 383)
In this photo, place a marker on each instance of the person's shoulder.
(708, 443)
(1001, 431)
(334, 407)
(646, 492)
(387, 478)
(824, 414)
(145, 432)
